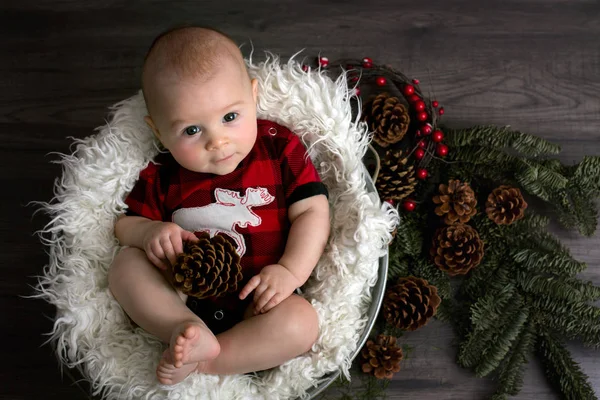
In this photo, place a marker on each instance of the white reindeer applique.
(222, 216)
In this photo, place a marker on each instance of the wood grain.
(531, 64)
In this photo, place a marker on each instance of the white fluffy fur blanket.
(91, 331)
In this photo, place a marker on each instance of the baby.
(225, 172)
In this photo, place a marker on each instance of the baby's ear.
(255, 89)
(150, 123)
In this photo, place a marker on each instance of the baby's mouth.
(224, 158)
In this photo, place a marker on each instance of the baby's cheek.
(189, 158)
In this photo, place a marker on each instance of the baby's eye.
(192, 130)
(230, 117)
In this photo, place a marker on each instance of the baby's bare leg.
(266, 340)
(152, 303)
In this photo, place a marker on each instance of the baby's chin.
(214, 169)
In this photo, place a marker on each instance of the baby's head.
(201, 101)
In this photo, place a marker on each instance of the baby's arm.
(162, 241)
(307, 237)
(131, 230)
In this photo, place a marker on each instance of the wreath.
(473, 248)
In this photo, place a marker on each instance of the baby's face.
(207, 126)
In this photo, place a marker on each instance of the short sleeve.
(299, 176)
(145, 199)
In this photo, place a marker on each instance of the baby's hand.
(273, 284)
(164, 241)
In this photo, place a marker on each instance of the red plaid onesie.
(249, 205)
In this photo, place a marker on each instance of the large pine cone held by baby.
(208, 267)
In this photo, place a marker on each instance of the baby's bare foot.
(169, 374)
(192, 342)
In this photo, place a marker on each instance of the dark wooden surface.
(531, 64)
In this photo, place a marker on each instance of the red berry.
(390, 201)
(441, 111)
(426, 129)
(422, 116)
(414, 98)
(415, 81)
(354, 79)
(434, 104)
(305, 68)
(420, 105)
(422, 173)
(422, 143)
(437, 136)
(442, 150)
(367, 60)
(409, 205)
(419, 154)
(323, 61)
(381, 81)
(418, 133)
(357, 91)
(408, 90)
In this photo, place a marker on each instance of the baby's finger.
(259, 292)
(274, 301)
(156, 261)
(263, 300)
(157, 250)
(177, 243)
(187, 235)
(167, 247)
(250, 286)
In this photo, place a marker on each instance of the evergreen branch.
(560, 264)
(587, 173)
(511, 373)
(482, 336)
(572, 319)
(491, 307)
(562, 371)
(500, 137)
(539, 180)
(585, 210)
(397, 266)
(533, 176)
(423, 269)
(545, 174)
(548, 243)
(532, 222)
(409, 237)
(503, 343)
(564, 288)
(488, 276)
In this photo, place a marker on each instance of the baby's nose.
(216, 141)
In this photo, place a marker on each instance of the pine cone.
(382, 357)
(410, 303)
(209, 267)
(395, 180)
(457, 201)
(505, 205)
(456, 249)
(387, 118)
